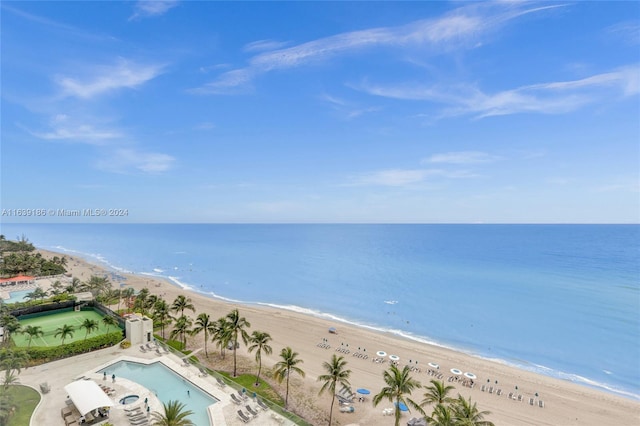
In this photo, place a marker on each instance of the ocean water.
(561, 300)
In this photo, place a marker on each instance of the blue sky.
(394, 112)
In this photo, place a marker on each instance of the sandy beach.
(565, 403)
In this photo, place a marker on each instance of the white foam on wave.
(391, 302)
(158, 270)
(95, 256)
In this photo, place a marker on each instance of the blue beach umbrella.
(402, 407)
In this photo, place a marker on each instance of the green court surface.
(49, 324)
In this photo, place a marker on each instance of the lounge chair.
(277, 418)
(235, 399)
(221, 383)
(499, 392)
(137, 407)
(541, 403)
(251, 410)
(203, 372)
(242, 395)
(143, 349)
(135, 413)
(242, 416)
(530, 401)
(510, 396)
(262, 405)
(139, 421)
(520, 398)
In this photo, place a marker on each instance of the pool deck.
(60, 373)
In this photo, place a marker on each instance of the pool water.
(17, 296)
(166, 385)
(129, 399)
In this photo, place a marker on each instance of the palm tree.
(13, 359)
(181, 303)
(285, 367)
(127, 294)
(437, 393)
(89, 325)
(399, 383)
(237, 325)
(37, 293)
(174, 415)
(65, 331)
(161, 314)
(33, 331)
(260, 342)
(75, 285)
(109, 321)
(11, 325)
(221, 334)
(337, 374)
(466, 413)
(10, 378)
(141, 300)
(203, 324)
(441, 416)
(181, 328)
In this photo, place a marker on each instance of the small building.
(20, 279)
(138, 329)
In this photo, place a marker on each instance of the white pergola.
(87, 396)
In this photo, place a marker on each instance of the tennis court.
(50, 322)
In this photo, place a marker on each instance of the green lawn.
(25, 400)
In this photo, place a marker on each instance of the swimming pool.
(166, 385)
(18, 296)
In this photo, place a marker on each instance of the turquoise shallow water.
(562, 300)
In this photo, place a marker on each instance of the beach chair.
(203, 372)
(243, 417)
(510, 396)
(243, 395)
(530, 401)
(483, 388)
(251, 410)
(235, 399)
(499, 392)
(491, 389)
(541, 403)
(143, 349)
(220, 382)
(279, 419)
(262, 405)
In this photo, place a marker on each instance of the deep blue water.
(562, 300)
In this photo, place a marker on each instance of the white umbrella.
(394, 357)
(456, 371)
(381, 353)
(470, 376)
(434, 365)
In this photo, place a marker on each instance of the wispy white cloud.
(347, 109)
(107, 78)
(262, 45)
(462, 157)
(462, 27)
(127, 160)
(546, 98)
(628, 32)
(64, 128)
(53, 24)
(150, 8)
(407, 177)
